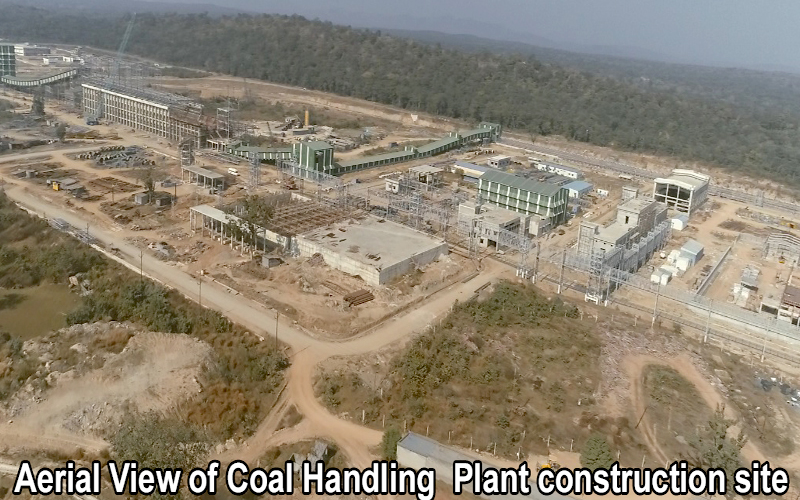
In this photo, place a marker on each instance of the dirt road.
(635, 366)
(354, 440)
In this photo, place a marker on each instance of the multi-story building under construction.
(640, 229)
(173, 117)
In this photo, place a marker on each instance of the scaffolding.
(254, 179)
(186, 148)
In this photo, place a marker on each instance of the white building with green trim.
(525, 196)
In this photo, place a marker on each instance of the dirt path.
(635, 365)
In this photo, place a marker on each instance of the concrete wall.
(338, 259)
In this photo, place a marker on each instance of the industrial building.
(8, 60)
(484, 133)
(499, 161)
(578, 189)
(493, 220)
(170, 116)
(470, 171)
(525, 196)
(377, 250)
(427, 174)
(314, 155)
(553, 168)
(26, 50)
(640, 229)
(683, 190)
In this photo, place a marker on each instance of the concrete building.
(470, 171)
(492, 221)
(170, 116)
(524, 196)
(8, 60)
(499, 161)
(376, 250)
(25, 50)
(641, 227)
(427, 174)
(578, 189)
(553, 168)
(683, 190)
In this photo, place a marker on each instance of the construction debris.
(358, 298)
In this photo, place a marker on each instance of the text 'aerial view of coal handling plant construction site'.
(247, 253)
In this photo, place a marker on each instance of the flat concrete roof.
(612, 233)
(495, 215)
(214, 213)
(372, 242)
(426, 169)
(635, 204)
(203, 172)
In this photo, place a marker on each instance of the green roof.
(396, 156)
(447, 141)
(256, 149)
(522, 183)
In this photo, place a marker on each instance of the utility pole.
(200, 291)
(141, 265)
(655, 308)
(277, 315)
(561, 274)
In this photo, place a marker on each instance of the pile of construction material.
(358, 298)
(118, 156)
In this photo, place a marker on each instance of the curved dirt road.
(635, 366)
(307, 352)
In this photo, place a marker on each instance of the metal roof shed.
(692, 249)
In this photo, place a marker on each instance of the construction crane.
(113, 72)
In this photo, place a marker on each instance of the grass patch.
(239, 387)
(512, 364)
(676, 408)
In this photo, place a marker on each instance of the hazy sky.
(748, 33)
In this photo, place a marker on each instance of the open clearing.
(90, 387)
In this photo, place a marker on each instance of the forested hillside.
(518, 91)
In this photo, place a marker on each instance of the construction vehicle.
(550, 464)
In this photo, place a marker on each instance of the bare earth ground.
(154, 372)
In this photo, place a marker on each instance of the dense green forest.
(756, 90)
(519, 91)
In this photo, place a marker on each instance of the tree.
(389, 443)
(61, 132)
(154, 442)
(711, 446)
(596, 453)
(37, 108)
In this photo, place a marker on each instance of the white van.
(233, 171)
